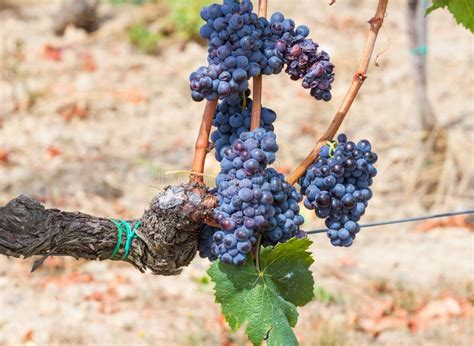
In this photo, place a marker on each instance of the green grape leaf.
(436, 4)
(462, 10)
(266, 301)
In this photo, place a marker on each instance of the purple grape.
(345, 178)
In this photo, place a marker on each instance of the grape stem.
(258, 80)
(256, 111)
(202, 143)
(257, 102)
(359, 77)
(257, 252)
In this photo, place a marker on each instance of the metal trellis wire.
(410, 219)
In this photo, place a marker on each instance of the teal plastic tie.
(119, 240)
(421, 50)
(124, 227)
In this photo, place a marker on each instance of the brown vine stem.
(202, 143)
(258, 80)
(361, 74)
(257, 102)
(256, 111)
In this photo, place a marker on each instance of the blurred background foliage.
(182, 22)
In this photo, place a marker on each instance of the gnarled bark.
(167, 238)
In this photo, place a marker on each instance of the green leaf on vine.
(462, 10)
(266, 300)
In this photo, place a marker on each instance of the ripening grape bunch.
(242, 45)
(252, 200)
(255, 204)
(337, 187)
(232, 118)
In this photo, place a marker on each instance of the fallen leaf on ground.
(67, 279)
(110, 295)
(108, 300)
(54, 151)
(305, 128)
(28, 336)
(374, 326)
(88, 62)
(225, 331)
(132, 95)
(72, 110)
(347, 262)
(463, 221)
(379, 308)
(436, 310)
(4, 156)
(52, 53)
(146, 146)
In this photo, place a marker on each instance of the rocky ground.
(89, 123)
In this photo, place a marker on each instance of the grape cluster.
(287, 219)
(243, 206)
(305, 62)
(270, 58)
(252, 199)
(234, 118)
(301, 56)
(242, 45)
(234, 35)
(337, 186)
